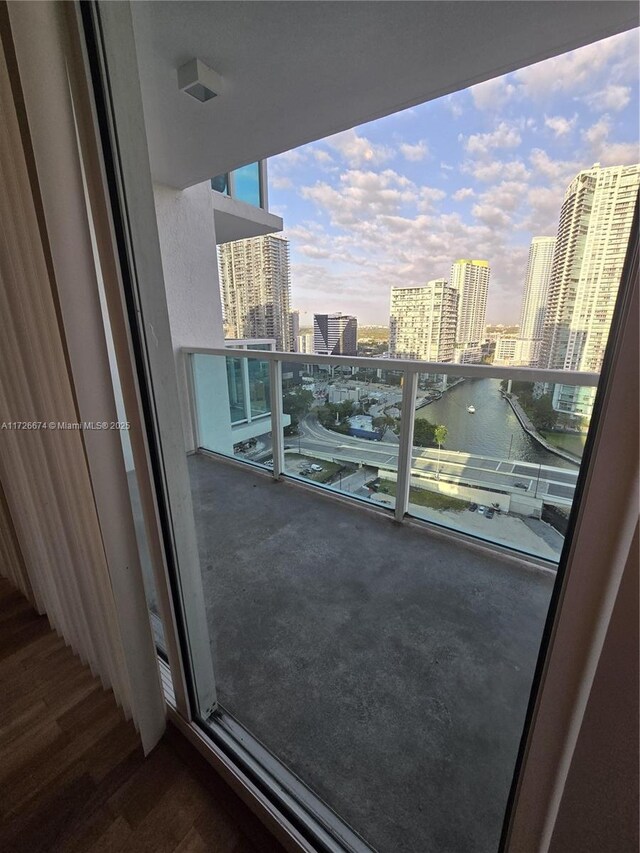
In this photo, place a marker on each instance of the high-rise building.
(422, 322)
(294, 330)
(506, 350)
(471, 279)
(335, 334)
(256, 288)
(534, 301)
(304, 342)
(591, 244)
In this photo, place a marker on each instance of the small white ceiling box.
(198, 80)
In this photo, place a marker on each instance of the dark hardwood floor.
(72, 773)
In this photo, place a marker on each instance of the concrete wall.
(525, 505)
(464, 493)
(190, 266)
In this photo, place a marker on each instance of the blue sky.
(474, 174)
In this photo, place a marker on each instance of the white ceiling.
(299, 71)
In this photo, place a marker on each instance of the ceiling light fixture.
(198, 80)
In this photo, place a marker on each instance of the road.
(554, 485)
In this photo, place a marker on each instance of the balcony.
(387, 665)
(240, 203)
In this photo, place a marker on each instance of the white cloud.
(507, 195)
(560, 125)
(454, 105)
(362, 195)
(606, 152)
(358, 150)
(510, 170)
(543, 204)
(321, 156)
(598, 132)
(488, 214)
(553, 169)
(463, 192)
(504, 136)
(612, 97)
(286, 159)
(492, 94)
(576, 71)
(428, 197)
(414, 152)
(281, 183)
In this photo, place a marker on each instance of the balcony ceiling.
(300, 71)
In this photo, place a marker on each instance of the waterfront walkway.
(528, 427)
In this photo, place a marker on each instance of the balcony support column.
(277, 435)
(405, 451)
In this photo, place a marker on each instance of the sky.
(474, 174)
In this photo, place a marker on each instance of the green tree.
(544, 416)
(524, 392)
(327, 414)
(423, 432)
(440, 436)
(334, 416)
(296, 404)
(345, 409)
(384, 421)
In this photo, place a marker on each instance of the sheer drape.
(44, 470)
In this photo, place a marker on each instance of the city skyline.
(478, 173)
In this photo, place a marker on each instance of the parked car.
(521, 485)
(481, 509)
(473, 507)
(489, 513)
(316, 468)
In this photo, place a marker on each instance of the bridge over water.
(546, 483)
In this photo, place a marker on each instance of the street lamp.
(538, 480)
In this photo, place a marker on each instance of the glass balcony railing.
(245, 184)
(488, 452)
(232, 402)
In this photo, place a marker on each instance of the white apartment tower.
(335, 334)
(423, 320)
(256, 288)
(534, 301)
(591, 244)
(471, 279)
(304, 343)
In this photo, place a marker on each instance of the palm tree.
(440, 436)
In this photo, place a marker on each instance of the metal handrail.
(405, 365)
(410, 370)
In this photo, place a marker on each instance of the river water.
(493, 430)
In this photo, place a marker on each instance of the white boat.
(471, 410)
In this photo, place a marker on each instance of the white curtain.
(49, 483)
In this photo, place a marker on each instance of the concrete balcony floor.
(387, 666)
